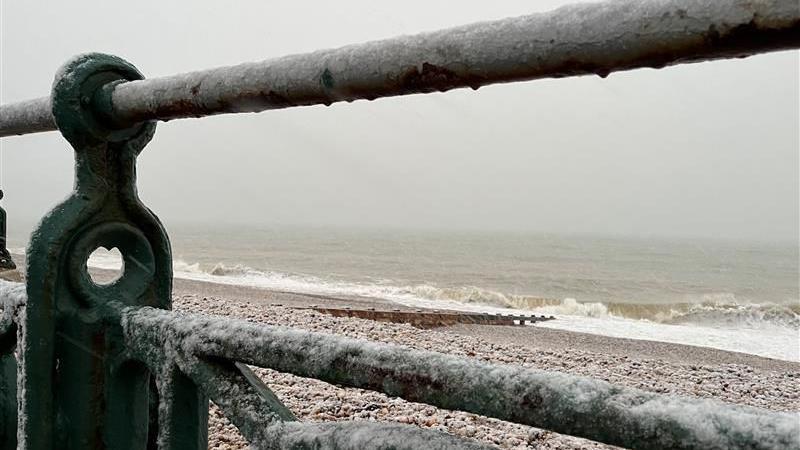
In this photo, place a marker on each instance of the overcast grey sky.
(707, 150)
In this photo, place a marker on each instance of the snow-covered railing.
(564, 403)
(592, 38)
(93, 366)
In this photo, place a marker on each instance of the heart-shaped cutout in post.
(105, 265)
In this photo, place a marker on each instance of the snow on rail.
(568, 404)
(258, 414)
(359, 435)
(12, 294)
(591, 38)
(12, 297)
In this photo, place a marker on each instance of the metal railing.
(595, 38)
(89, 366)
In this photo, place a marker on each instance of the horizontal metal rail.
(596, 38)
(564, 403)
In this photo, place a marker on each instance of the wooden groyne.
(429, 318)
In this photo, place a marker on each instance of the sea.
(737, 296)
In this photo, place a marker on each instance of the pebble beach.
(652, 366)
(664, 368)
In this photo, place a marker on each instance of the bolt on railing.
(109, 366)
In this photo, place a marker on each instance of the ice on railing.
(564, 403)
(29, 116)
(257, 417)
(252, 407)
(12, 296)
(573, 40)
(11, 293)
(587, 38)
(359, 435)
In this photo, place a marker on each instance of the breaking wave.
(715, 310)
(720, 310)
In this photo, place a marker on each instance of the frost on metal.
(596, 38)
(260, 420)
(31, 116)
(563, 403)
(12, 297)
(593, 38)
(358, 436)
(250, 405)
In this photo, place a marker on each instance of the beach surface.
(665, 368)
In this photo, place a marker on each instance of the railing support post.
(6, 263)
(8, 399)
(8, 363)
(79, 386)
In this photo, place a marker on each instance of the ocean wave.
(736, 314)
(713, 309)
(721, 309)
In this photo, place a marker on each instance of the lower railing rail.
(567, 404)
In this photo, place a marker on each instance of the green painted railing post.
(8, 363)
(80, 387)
(8, 394)
(6, 263)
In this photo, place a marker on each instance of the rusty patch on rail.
(411, 385)
(754, 34)
(739, 41)
(401, 382)
(246, 102)
(181, 108)
(255, 101)
(736, 42)
(531, 401)
(434, 78)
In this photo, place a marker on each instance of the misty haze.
(646, 223)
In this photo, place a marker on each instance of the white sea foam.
(773, 342)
